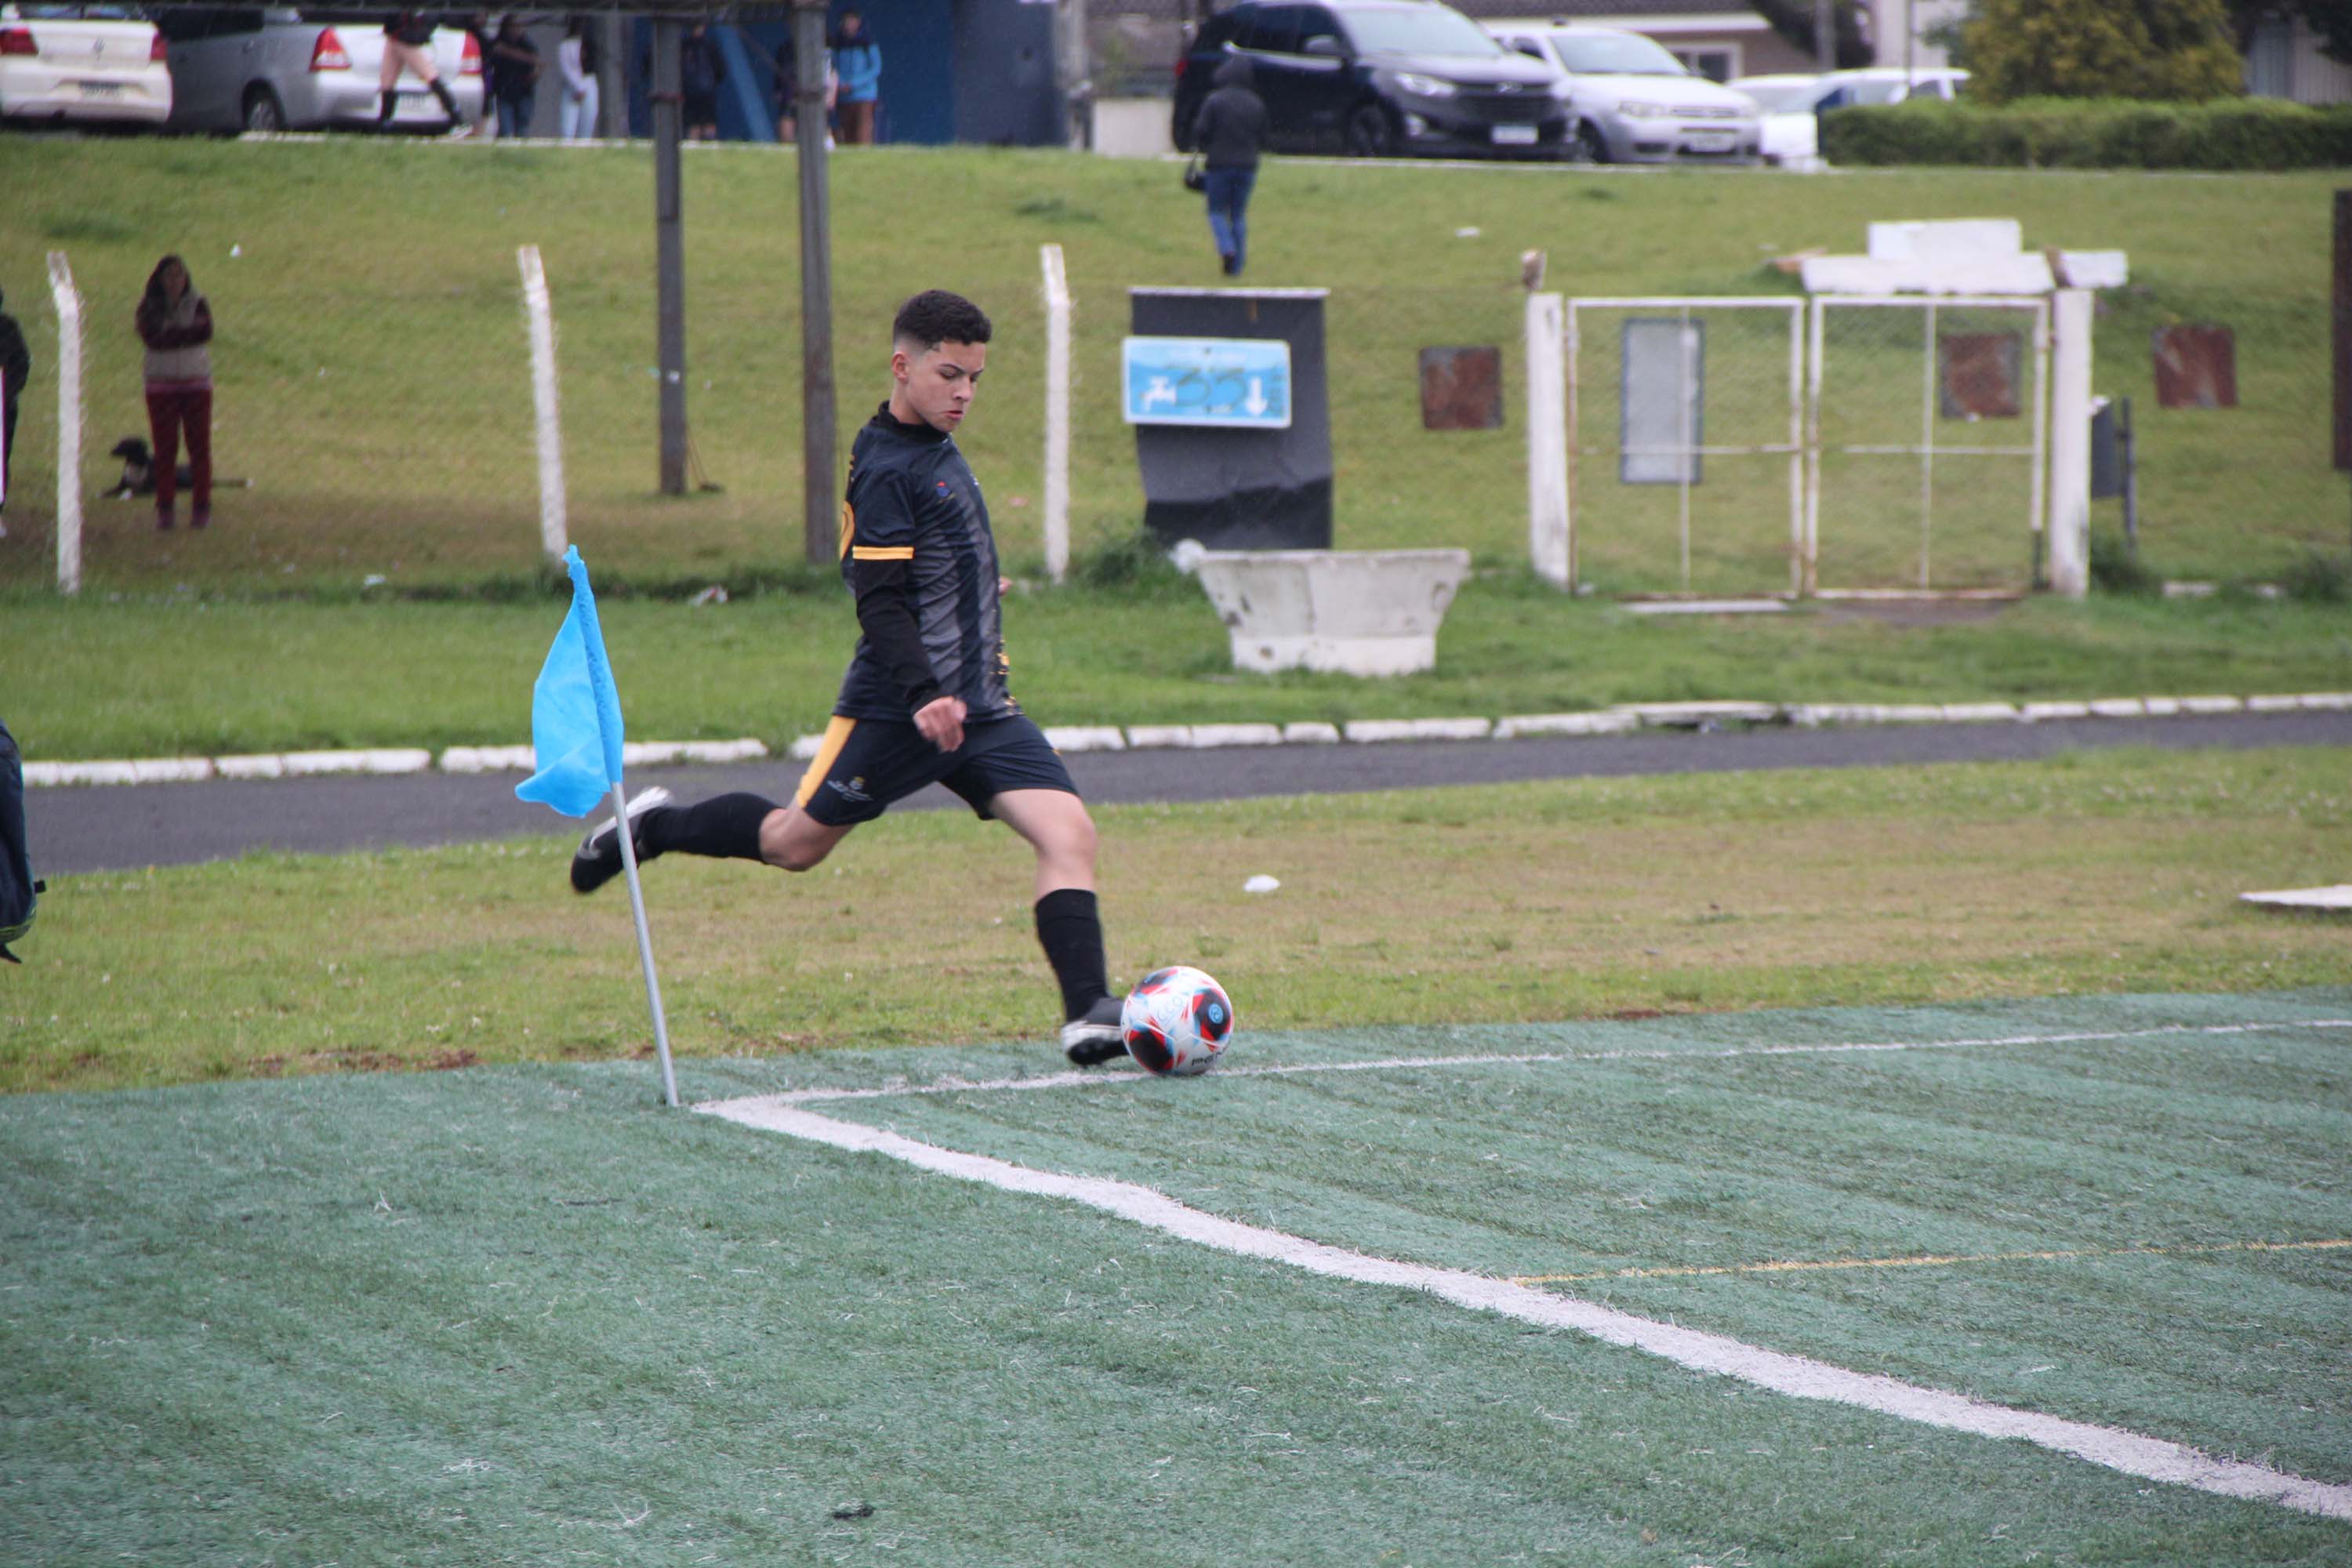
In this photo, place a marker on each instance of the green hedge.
(2093, 134)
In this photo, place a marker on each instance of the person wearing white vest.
(175, 322)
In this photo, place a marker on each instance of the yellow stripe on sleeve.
(836, 735)
(883, 552)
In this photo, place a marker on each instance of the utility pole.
(1825, 34)
(669, 256)
(818, 429)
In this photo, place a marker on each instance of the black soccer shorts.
(865, 765)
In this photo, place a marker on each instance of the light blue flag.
(575, 710)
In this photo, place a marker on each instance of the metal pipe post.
(818, 426)
(669, 255)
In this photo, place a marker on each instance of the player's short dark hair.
(935, 316)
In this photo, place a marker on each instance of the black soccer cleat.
(1096, 1039)
(598, 860)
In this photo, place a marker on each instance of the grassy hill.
(373, 384)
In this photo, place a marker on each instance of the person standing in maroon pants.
(175, 323)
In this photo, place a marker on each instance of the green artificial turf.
(523, 1315)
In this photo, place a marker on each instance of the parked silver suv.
(250, 68)
(1634, 102)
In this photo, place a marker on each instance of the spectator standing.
(15, 370)
(408, 47)
(515, 65)
(1229, 131)
(788, 88)
(858, 60)
(700, 68)
(175, 322)
(575, 58)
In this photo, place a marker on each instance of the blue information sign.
(1241, 384)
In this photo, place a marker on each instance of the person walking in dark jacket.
(1229, 131)
(15, 370)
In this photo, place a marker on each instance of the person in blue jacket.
(857, 60)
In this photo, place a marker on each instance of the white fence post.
(1551, 544)
(2070, 446)
(68, 301)
(555, 529)
(1057, 413)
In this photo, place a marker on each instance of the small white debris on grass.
(1261, 883)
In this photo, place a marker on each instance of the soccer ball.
(1177, 1022)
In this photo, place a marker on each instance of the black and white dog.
(139, 472)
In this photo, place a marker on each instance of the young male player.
(924, 700)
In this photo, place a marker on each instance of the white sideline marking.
(2153, 1459)
(1390, 1064)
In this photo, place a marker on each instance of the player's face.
(940, 383)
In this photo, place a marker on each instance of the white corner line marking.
(953, 1085)
(2153, 1459)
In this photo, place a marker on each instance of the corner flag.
(575, 710)
(575, 735)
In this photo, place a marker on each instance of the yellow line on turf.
(1935, 1261)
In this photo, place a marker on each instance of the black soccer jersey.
(913, 499)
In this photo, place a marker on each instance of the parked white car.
(1790, 106)
(280, 68)
(1634, 102)
(82, 63)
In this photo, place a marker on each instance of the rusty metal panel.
(1977, 374)
(2196, 367)
(1462, 389)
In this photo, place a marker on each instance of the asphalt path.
(124, 826)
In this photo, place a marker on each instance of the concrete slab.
(2339, 897)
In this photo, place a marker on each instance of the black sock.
(1070, 930)
(448, 101)
(384, 101)
(726, 827)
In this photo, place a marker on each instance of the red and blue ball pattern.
(1177, 1022)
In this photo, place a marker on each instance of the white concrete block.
(1705, 606)
(1348, 611)
(2339, 897)
(171, 770)
(1948, 239)
(1605, 723)
(1085, 738)
(1310, 733)
(1373, 732)
(263, 766)
(1979, 712)
(1861, 275)
(2118, 707)
(746, 749)
(52, 774)
(1154, 736)
(387, 760)
(650, 753)
(2033, 713)
(2093, 268)
(1207, 735)
(1911, 713)
(1691, 715)
(2272, 704)
(2162, 707)
(804, 748)
(488, 758)
(2328, 702)
(2212, 704)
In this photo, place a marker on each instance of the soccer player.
(924, 700)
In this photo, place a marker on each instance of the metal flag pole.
(645, 942)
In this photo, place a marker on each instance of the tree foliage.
(2175, 49)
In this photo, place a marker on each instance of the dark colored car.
(1373, 78)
